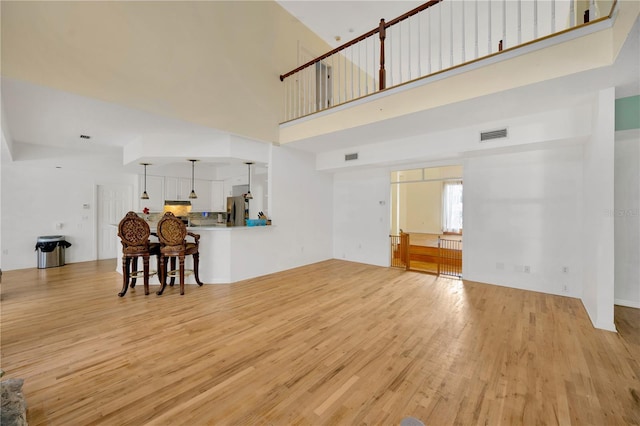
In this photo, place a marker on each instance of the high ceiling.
(45, 124)
(36, 116)
(337, 22)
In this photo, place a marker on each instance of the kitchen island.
(227, 254)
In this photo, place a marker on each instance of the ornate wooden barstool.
(134, 234)
(172, 234)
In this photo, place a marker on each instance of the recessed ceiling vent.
(493, 134)
(351, 157)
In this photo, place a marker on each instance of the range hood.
(179, 208)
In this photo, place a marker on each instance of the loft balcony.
(447, 51)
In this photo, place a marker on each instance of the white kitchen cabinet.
(180, 188)
(218, 199)
(172, 188)
(203, 191)
(155, 191)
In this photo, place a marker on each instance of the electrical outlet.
(565, 269)
(526, 269)
(565, 288)
(5, 251)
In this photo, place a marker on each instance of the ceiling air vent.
(351, 157)
(493, 134)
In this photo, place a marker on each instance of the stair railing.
(434, 37)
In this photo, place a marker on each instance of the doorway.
(324, 89)
(114, 201)
(426, 220)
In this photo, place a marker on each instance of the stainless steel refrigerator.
(237, 210)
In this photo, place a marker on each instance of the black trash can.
(51, 250)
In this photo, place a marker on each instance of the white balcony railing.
(437, 36)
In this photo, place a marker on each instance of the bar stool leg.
(196, 263)
(162, 262)
(145, 266)
(134, 268)
(125, 275)
(181, 260)
(173, 268)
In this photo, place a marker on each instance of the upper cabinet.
(180, 188)
(218, 203)
(211, 197)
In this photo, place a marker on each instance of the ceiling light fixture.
(144, 195)
(193, 193)
(248, 195)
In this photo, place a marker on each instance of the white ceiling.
(36, 116)
(345, 19)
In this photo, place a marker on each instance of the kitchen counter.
(218, 265)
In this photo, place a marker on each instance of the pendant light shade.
(144, 195)
(248, 195)
(193, 193)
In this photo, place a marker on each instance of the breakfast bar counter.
(221, 252)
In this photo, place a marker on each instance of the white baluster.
(489, 29)
(388, 58)
(572, 13)
(366, 65)
(344, 55)
(476, 31)
(409, 44)
(420, 44)
(440, 37)
(351, 49)
(519, 22)
(464, 35)
(400, 79)
(451, 34)
(504, 24)
(359, 71)
(335, 87)
(429, 41)
(535, 19)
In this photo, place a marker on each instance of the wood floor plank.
(331, 343)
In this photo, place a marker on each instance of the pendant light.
(144, 195)
(248, 195)
(193, 193)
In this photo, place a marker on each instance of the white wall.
(301, 206)
(35, 198)
(627, 218)
(598, 206)
(524, 209)
(538, 199)
(422, 202)
(361, 216)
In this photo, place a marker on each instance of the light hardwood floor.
(330, 343)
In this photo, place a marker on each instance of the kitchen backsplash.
(195, 218)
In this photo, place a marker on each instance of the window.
(452, 207)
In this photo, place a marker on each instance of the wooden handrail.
(383, 25)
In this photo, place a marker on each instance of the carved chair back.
(171, 232)
(134, 233)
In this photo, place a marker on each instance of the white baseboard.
(627, 303)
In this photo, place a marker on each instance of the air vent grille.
(493, 134)
(351, 157)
